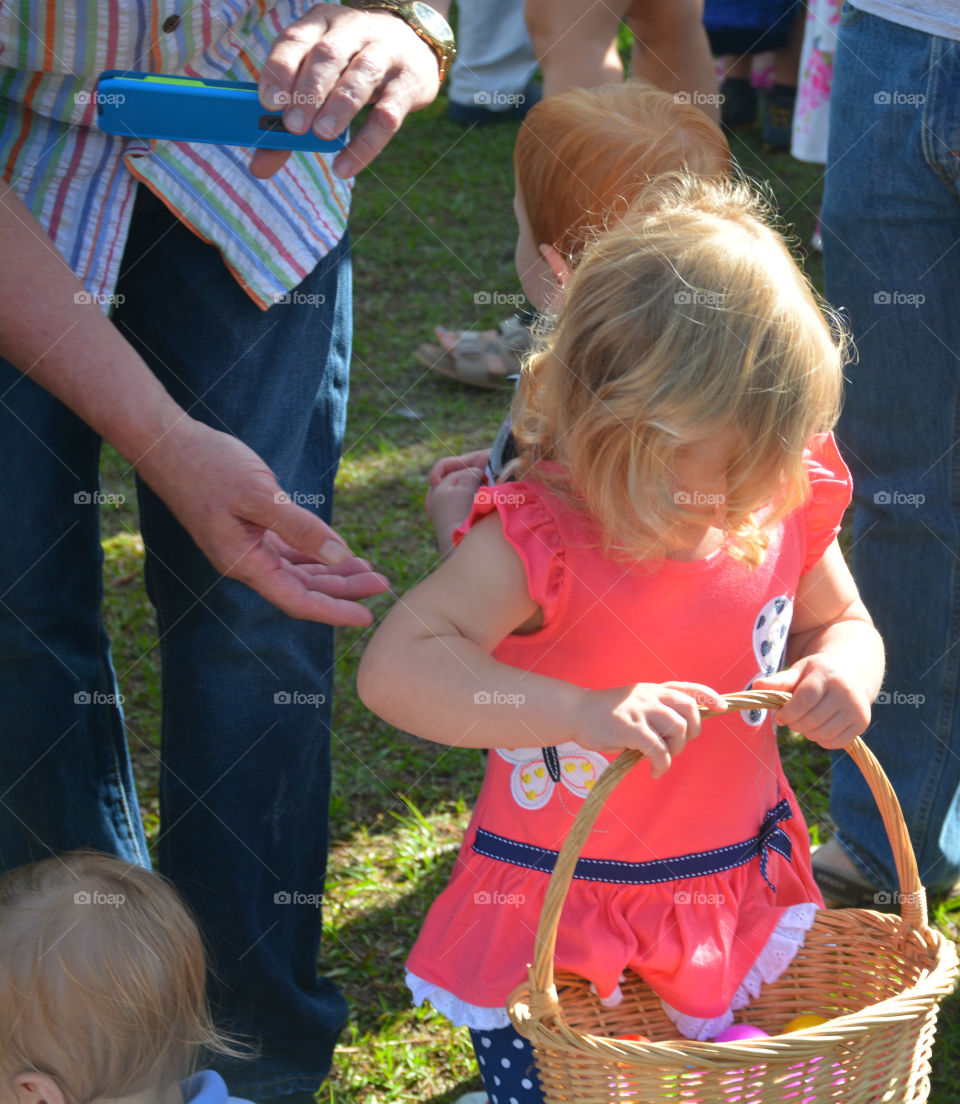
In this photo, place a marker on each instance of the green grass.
(432, 226)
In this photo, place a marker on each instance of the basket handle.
(913, 904)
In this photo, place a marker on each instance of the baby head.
(582, 157)
(689, 367)
(102, 983)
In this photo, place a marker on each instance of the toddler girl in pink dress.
(672, 534)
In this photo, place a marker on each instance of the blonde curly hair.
(689, 317)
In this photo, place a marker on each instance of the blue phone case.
(225, 113)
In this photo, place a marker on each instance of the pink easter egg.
(739, 1032)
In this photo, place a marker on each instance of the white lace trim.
(459, 1012)
(787, 938)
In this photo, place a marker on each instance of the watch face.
(432, 21)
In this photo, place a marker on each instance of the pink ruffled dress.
(700, 881)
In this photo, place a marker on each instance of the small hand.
(828, 704)
(657, 719)
(331, 62)
(466, 460)
(228, 500)
(448, 503)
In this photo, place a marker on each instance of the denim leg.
(65, 778)
(246, 689)
(891, 228)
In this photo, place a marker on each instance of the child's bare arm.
(428, 669)
(836, 656)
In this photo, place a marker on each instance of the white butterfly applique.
(538, 770)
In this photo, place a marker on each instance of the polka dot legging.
(507, 1067)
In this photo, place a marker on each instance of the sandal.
(468, 361)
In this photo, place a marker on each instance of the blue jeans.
(891, 228)
(246, 748)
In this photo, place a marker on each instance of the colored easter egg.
(631, 1038)
(740, 1032)
(798, 1023)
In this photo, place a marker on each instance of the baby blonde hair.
(688, 318)
(582, 156)
(102, 978)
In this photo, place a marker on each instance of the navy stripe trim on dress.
(771, 837)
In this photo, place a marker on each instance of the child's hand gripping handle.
(913, 905)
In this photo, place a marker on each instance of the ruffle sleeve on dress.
(530, 526)
(831, 488)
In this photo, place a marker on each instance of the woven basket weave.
(879, 980)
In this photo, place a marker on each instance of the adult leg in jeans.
(891, 222)
(246, 689)
(65, 777)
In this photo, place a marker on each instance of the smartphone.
(187, 109)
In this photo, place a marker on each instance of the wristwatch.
(427, 22)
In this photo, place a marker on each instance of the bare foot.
(486, 339)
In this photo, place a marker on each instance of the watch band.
(440, 40)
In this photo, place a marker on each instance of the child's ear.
(37, 1088)
(558, 265)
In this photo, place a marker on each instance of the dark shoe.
(778, 107)
(483, 111)
(738, 108)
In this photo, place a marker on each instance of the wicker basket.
(879, 980)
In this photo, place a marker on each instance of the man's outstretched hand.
(229, 501)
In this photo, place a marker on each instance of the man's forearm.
(57, 336)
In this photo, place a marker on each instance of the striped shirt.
(80, 182)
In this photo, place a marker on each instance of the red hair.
(582, 156)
